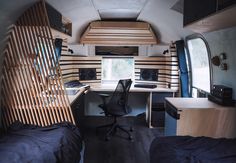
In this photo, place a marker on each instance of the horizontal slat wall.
(33, 92)
(70, 65)
(168, 76)
(168, 71)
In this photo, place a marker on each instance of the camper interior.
(107, 81)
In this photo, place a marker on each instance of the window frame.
(191, 37)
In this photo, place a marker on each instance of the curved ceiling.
(166, 22)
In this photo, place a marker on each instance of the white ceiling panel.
(118, 13)
(119, 4)
(119, 8)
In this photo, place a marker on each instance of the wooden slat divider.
(30, 39)
(32, 86)
(43, 53)
(27, 75)
(65, 98)
(67, 110)
(35, 83)
(18, 76)
(32, 30)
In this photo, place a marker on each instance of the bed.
(187, 149)
(27, 143)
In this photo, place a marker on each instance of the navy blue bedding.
(186, 149)
(27, 143)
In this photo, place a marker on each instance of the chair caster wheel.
(130, 137)
(131, 129)
(107, 138)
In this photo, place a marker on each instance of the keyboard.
(73, 83)
(145, 85)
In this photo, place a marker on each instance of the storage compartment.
(209, 15)
(225, 3)
(54, 17)
(116, 50)
(122, 33)
(59, 24)
(78, 110)
(198, 9)
(158, 108)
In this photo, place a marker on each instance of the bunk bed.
(189, 149)
(29, 143)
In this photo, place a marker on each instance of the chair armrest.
(104, 97)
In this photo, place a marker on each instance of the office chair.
(117, 106)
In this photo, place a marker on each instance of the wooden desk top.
(81, 90)
(194, 103)
(111, 88)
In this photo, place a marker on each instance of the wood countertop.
(112, 87)
(195, 103)
(109, 88)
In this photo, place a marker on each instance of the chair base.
(113, 129)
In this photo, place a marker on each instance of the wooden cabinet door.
(221, 4)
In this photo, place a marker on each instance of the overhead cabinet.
(60, 26)
(119, 33)
(198, 9)
(209, 15)
(221, 4)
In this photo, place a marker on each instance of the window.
(199, 65)
(114, 69)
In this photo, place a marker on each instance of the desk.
(111, 88)
(199, 117)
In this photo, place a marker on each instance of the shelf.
(61, 26)
(58, 34)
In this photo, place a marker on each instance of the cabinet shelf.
(209, 15)
(61, 26)
(220, 20)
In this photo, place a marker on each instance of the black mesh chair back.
(116, 107)
(118, 104)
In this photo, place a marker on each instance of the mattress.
(186, 149)
(26, 143)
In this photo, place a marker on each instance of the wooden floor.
(119, 149)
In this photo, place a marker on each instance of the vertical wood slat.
(32, 86)
(31, 31)
(27, 76)
(67, 110)
(39, 44)
(15, 76)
